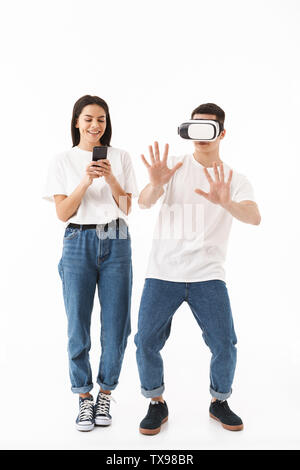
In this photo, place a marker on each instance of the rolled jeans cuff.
(220, 396)
(106, 387)
(85, 389)
(156, 392)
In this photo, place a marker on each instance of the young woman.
(94, 199)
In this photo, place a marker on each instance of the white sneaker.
(102, 416)
(85, 420)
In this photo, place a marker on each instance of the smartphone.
(99, 153)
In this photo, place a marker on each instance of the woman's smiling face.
(91, 124)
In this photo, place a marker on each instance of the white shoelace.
(86, 410)
(103, 403)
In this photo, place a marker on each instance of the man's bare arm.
(149, 196)
(219, 193)
(245, 211)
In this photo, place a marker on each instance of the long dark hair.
(78, 107)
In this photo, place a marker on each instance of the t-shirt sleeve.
(244, 190)
(130, 185)
(55, 182)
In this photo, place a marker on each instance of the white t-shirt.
(191, 234)
(97, 206)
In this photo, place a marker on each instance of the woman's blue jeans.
(102, 258)
(209, 303)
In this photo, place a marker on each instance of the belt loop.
(105, 227)
(80, 228)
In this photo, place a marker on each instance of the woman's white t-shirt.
(191, 234)
(97, 206)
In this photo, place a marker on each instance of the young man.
(201, 194)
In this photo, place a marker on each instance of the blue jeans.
(99, 258)
(209, 303)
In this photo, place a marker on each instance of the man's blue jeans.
(99, 258)
(209, 303)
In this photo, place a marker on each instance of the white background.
(153, 62)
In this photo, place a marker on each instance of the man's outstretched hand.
(159, 173)
(219, 190)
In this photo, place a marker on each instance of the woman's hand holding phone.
(91, 172)
(105, 170)
(97, 170)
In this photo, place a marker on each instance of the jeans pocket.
(71, 233)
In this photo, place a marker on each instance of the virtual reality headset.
(203, 130)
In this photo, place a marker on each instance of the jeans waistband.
(93, 226)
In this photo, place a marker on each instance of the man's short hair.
(210, 108)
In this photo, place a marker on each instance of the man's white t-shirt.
(191, 234)
(97, 206)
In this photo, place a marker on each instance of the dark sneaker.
(85, 420)
(102, 416)
(220, 411)
(156, 416)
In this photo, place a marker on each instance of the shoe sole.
(151, 432)
(102, 422)
(238, 427)
(90, 427)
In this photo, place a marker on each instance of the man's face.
(208, 146)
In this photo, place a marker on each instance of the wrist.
(110, 180)
(84, 184)
(228, 205)
(156, 186)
